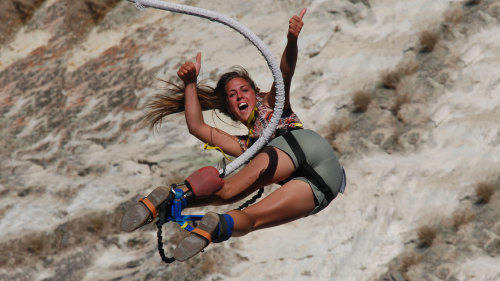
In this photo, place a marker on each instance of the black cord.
(162, 219)
(251, 200)
(164, 258)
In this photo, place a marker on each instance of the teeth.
(241, 105)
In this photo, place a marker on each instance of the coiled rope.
(263, 49)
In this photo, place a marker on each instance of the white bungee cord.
(264, 50)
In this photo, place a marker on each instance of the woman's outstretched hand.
(295, 25)
(188, 72)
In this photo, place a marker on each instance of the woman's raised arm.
(188, 73)
(289, 58)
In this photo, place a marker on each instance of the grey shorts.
(321, 157)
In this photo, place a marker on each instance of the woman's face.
(241, 98)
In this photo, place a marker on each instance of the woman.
(300, 159)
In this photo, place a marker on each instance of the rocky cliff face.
(405, 91)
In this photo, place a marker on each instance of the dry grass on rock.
(472, 2)
(337, 127)
(484, 191)
(426, 235)
(361, 100)
(461, 217)
(428, 40)
(390, 79)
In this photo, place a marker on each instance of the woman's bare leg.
(292, 201)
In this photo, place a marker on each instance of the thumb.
(198, 63)
(302, 13)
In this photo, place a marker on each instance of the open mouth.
(243, 106)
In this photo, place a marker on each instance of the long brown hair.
(172, 99)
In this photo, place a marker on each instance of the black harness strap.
(305, 169)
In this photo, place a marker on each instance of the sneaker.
(144, 211)
(199, 238)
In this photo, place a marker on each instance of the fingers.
(187, 68)
(188, 72)
(295, 25)
(302, 13)
(296, 22)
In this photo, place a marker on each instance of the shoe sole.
(194, 243)
(138, 214)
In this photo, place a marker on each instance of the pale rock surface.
(74, 154)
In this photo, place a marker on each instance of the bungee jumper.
(298, 159)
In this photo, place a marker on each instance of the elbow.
(194, 130)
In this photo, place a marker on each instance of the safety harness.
(304, 169)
